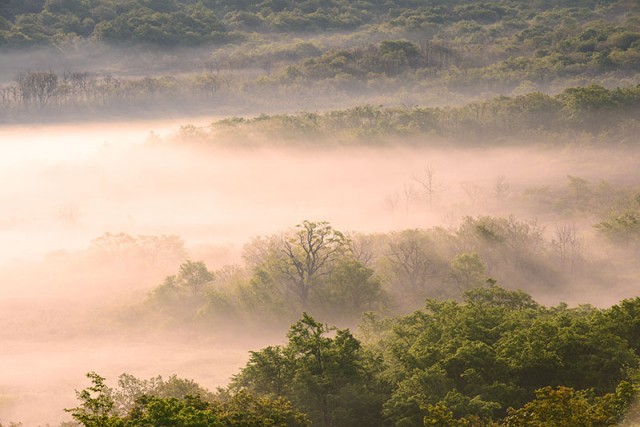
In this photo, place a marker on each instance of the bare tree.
(568, 244)
(501, 188)
(409, 193)
(309, 253)
(411, 259)
(391, 201)
(473, 191)
(37, 87)
(428, 184)
(5, 95)
(361, 247)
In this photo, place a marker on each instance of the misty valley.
(200, 261)
(319, 213)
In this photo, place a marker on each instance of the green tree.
(302, 260)
(621, 228)
(350, 290)
(326, 376)
(566, 407)
(241, 409)
(96, 407)
(467, 271)
(193, 277)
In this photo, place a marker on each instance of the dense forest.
(463, 178)
(497, 358)
(98, 58)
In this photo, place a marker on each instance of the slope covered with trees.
(497, 358)
(304, 55)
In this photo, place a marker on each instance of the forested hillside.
(497, 358)
(180, 57)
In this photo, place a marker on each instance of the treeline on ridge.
(593, 111)
(406, 51)
(189, 22)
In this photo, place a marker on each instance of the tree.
(467, 271)
(568, 244)
(413, 261)
(350, 290)
(506, 245)
(159, 403)
(130, 389)
(322, 370)
(154, 252)
(309, 254)
(566, 407)
(500, 189)
(621, 228)
(97, 406)
(623, 320)
(192, 277)
(37, 87)
(184, 297)
(428, 184)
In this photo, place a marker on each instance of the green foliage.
(478, 358)
(566, 407)
(242, 410)
(316, 268)
(190, 26)
(180, 297)
(326, 376)
(514, 247)
(495, 296)
(193, 279)
(159, 403)
(313, 269)
(497, 43)
(96, 405)
(350, 290)
(499, 119)
(623, 320)
(495, 358)
(459, 364)
(131, 389)
(467, 271)
(621, 228)
(309, 254)
(401, 51)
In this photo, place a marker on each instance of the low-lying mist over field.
(69, 185)
(69, 191)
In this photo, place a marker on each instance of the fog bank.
(67, 185)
